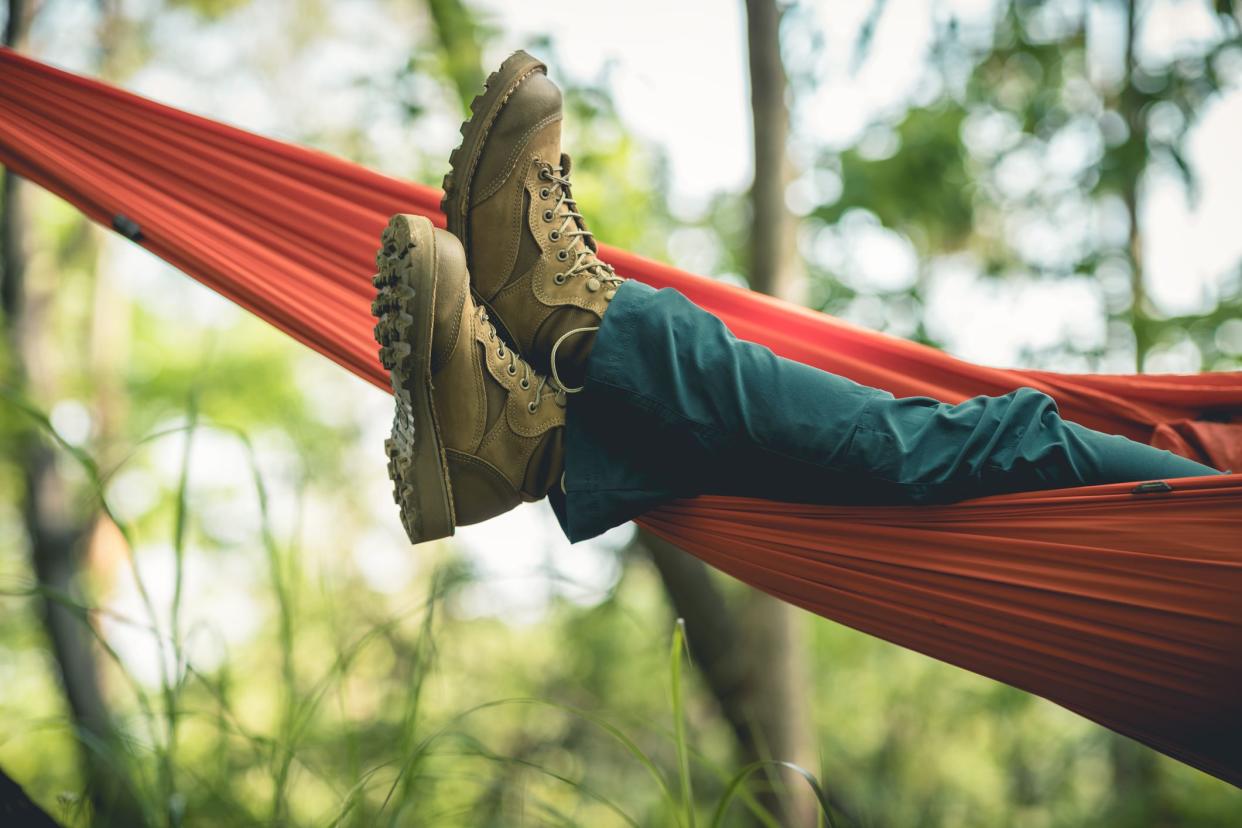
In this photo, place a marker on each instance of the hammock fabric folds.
(1122, 605)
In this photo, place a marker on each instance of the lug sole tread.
(397, 331)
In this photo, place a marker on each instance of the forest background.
(209, 614)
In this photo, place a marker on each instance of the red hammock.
(1124, 605)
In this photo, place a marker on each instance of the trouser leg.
(675, 406)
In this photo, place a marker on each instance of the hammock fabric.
(1123, 604)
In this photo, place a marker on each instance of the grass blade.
(735, 784)
(680, 646)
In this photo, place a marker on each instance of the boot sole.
(484, 109)
(405, 305)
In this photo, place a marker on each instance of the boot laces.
(516, 363)
(573, 227)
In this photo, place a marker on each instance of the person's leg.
(675, 406)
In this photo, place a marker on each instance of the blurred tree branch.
(461, 46)
(866, 34)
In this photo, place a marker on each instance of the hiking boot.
(476, 431)
(532, 260)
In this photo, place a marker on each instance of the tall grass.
(426, 748)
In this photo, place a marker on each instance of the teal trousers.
(675, 406)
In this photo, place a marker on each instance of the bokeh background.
(209, 614)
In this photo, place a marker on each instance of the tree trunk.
(55, 531)
(1130, 104)
(1134, 767)
(777, 673)
(775, 267)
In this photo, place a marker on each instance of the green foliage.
(939, 212)
(1032, 89)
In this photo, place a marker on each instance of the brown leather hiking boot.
(476, 431)
(532, 260)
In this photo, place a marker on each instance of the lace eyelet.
(559, 278)
(544, 192)
(546, 173)
(555, 235)
(531, 407)
(512, 371)
(547, 215)
(500, 352)
(525, 383)
(562, 255)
